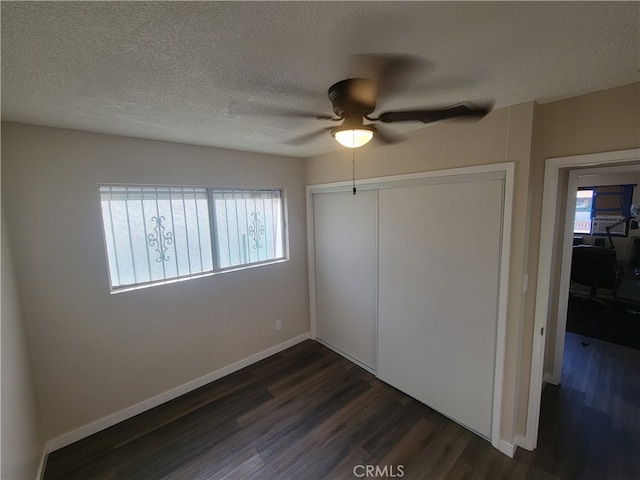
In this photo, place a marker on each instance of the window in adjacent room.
(582, 222)
(600, 206)
(159, 234)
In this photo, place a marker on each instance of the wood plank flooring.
(590, 424)
(308, 413)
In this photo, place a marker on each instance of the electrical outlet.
(278, 324)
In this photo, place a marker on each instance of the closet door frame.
(425, 178)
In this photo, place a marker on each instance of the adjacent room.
(604, 298)
(320, 240)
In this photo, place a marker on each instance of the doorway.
(554, 266)
(603, 315)
(553, 371)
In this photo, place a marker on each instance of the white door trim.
(506, 171)
(546, 260)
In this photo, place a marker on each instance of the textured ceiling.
(175, 70)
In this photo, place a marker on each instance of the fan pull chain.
(353, 169)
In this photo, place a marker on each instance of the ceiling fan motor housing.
(354, 97)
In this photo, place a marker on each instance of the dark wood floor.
(590, 424)
(307, 413)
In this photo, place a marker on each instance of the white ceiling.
(171, 70)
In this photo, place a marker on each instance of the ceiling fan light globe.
(353, 138)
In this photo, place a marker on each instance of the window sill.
(130, 288)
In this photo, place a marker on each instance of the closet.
(406, 280)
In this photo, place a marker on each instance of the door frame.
(550, 255)
(422, 178)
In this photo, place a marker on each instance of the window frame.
(212, 232)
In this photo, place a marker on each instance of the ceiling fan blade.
(435, 115)
(307, 137)
(243, 107)
(392, 72)
(383, 136)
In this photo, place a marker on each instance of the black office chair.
(596, 267)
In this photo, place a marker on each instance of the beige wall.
(502, 136)
(95, 354)
(22, 433)
(598, 122)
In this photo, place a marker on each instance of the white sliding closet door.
(346, 272)
(439, 248)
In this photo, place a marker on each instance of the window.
(248, 226)
(597, 207)
(158, 234)
(582, 222)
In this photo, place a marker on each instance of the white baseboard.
(106, 422)
(509, 449)
(548, 378)
(520, 441)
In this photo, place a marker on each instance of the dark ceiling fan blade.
(392, 72)
(242, 107)
(383, 136)
(307, 137)
(434, 115)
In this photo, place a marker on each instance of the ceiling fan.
(354, 100)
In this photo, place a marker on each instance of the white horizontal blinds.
(155, 233)
(249, 226)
